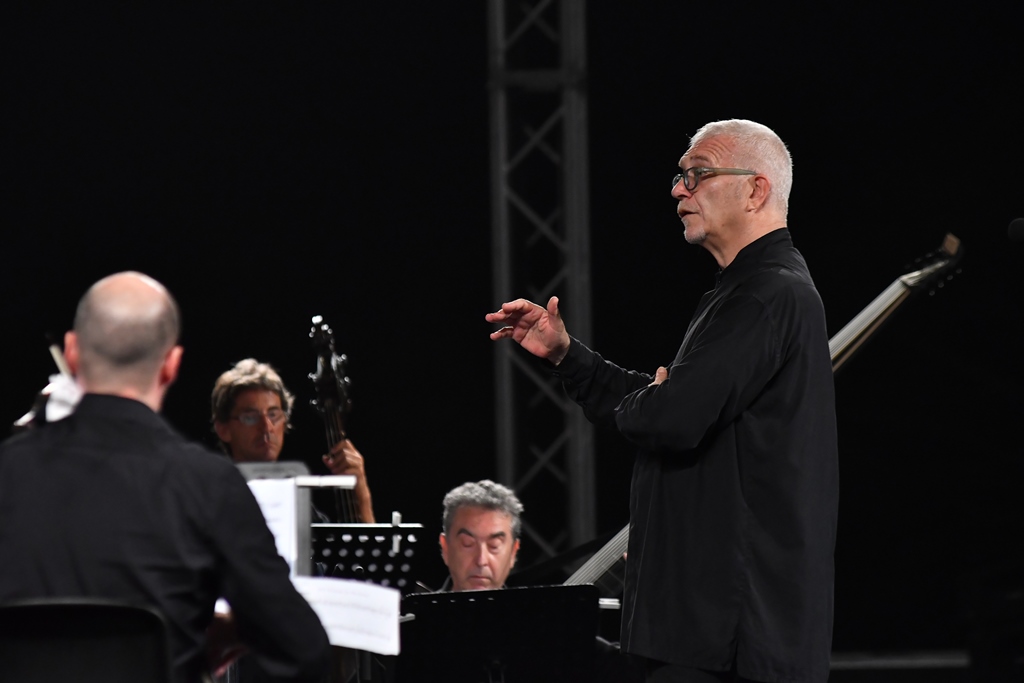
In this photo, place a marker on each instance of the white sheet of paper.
(338, 481)
(277, 501)
(355, 614)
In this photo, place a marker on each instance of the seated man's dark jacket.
(112, 502)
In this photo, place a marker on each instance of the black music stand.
(515, 635)
(385, 554)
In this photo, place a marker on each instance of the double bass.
(334, 404)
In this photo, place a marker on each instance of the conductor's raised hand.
(537, 329)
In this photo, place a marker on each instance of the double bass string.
(347, 508)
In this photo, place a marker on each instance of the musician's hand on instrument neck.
(344, 458)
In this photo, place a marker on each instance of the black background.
(272, 161)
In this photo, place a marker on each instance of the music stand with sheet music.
(385, 554)
(539, 634)
(297, 471)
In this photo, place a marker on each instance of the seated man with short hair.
(482, 527)
(481, 535)
(111, 502)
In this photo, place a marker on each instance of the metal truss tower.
(541, 246)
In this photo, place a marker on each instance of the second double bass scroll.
(334, 404)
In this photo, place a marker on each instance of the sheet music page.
(337, 481)
(355, 614)
(277, 501)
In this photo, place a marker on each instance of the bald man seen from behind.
(112, 502)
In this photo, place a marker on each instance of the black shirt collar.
(752, 256)
(108, 406)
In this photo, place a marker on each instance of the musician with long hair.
(251, 413)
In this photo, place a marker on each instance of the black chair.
(82, 640)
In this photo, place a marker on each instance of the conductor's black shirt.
(735, 486)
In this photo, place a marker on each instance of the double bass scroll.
(334, 404)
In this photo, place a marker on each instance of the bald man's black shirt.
(734, 496)
(112, 502)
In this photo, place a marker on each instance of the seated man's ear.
(223, 433)
(444, 548)
(171, 365)
(71, 351)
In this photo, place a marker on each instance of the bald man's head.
(124, 327)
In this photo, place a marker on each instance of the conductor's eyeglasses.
(691, 176)
(251, 418)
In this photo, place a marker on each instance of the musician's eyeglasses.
(251, 418)
(691, 176)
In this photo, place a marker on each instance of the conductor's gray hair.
(757, 148)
